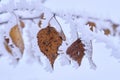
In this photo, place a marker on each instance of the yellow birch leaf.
(16, 37)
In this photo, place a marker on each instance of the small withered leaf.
(40, 23)
(16, 37)
(106, 31)
(114, 26)
(7, 40)
(7, 47)
(91, 24)
(42, 16)
(49, 42)
(76, 51)
(22, 24)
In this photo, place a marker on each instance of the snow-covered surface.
(99, 8)
(107, 69)
(30, 68)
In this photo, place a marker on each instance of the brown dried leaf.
(40, 23)
(91, 24)
(7, 47)
(16, 37)
(114, 26)
(76, 51)
(6, 40)
(42, 16)
(22, 24)
(106, 31)
(49, 42)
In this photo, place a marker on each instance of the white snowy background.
(108, 67)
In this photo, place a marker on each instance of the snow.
(35, 66)
(99, 8)
(107, 69)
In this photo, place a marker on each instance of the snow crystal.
(64, 59)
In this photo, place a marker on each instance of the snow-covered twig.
(82, 16)
(22, 18)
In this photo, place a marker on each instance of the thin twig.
(62, 33)
(3, 12)
(22, 18)
(29, 18)
(58, 22)
(51, 18)
(5, 22)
